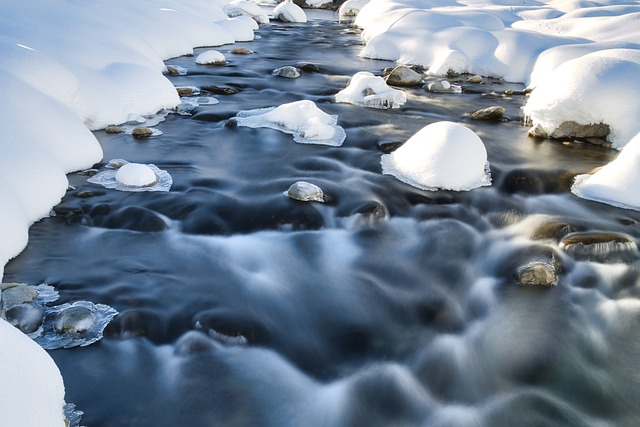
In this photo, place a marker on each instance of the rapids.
(384, 305)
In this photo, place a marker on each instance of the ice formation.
(124, 176)
(289, 12)
(211, 57)
(616, 183)
(442, 155)
(302, 119)
(371, 91)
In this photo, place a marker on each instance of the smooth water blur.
(386, 305)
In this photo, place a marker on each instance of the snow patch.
(371, 91)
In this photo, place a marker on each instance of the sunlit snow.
(289, 12)
(124, 176)
(211, 57)
(371, 91)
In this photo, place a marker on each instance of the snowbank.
(371, 91)
(104, 67)
(616, 183)
(442, 155)
(33, 391)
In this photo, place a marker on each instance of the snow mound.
(351, 7)
(371, 91)
(599, 87)
(302, 119)
(124, 176)
(246, 8)
(289, 12)
(34, 390)
(211, 57)
(442, 155)
(616, 183)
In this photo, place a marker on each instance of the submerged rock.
(176, 70)
(403, 76)
(310, 68)
(306, 192)
(74, 320)
(287, 71)
(490, 114)
(538, 273)
(600, 246)
(26, 316)
(553, 230)
(220, 90)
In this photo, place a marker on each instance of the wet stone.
(114, 129)
(443, 86)
(193, 343)
(555, 231)
(18, 295)
(74, 320)
(287, 71)
(220, 90)
(142, 132)
(85, 194)
(88, 172)
(310, 68)
(475, 79)
(494, 113)
(241, 51)
(306, 192)
(600, 246)
(187, 90)
(403, 76)
(176, 70)
(27, 317)
(536, 274)
(571, 129)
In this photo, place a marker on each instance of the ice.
(302, 119)
(136, 177)
(442, 155)
(371, 91)
(289, 12)
(616, 183)
(211, 57)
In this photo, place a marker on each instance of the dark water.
(385, 306)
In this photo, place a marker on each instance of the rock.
(310, 68)
(27, 317)
(553, 230)
(475, 79)
(220, 90)
(176, 70)
(536, 181)
(490, 114)
(187, 90)
(287, 71)
(4, 286)
(142, 132)
(443, 86)
(19, 294)
(241, 51)
(370, 214)
(600, 246)
(305, 192)
(536, 273)
(88, 172)
(403, 76)
(389, 146)
(193, 343)
(572, 129)
(367, 91)
(74, 320)
(185, 108)
(84, 194)
(114, 129)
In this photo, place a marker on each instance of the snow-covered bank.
(582, 56)
(103, 66)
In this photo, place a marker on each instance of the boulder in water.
(287, 71)
(537, 273)
(403, 76)
(306, 192)
(494, 113)
(443, 86)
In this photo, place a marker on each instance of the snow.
(616, 183)
(33, 387)
(302, 119)
(442, 155)
(121, 175)
(317, 3)
(247, 8)
(211, 57)
(289, 12)
(136, 175)
(371, 91)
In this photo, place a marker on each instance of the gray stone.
(114, 129)
(287, 71)
(572, 129)
(537, 273)
(403, 76)
(74, 320)
(475, 79)
(241, 51)
(306, 192)
(18, 295)
(27, 317)
(176, 70)
(142, 132)
(491, 113)
(443, 86)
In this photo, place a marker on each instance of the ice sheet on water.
(302, 119)
(107, 178)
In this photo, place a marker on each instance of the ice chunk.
(288, 11)
(442, 155)
(211, 57)
(302, 119)
(615, 184)
(371, 91)
(124, 176)
(72, 325)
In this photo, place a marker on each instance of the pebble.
(490, 114)
(142, 132)
(305, 192)
(287, 71)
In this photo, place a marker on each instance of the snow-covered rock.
(211, 57)
(124, 176)
(302, 119)
(351, 7)
(371, 91)
(442, 155)
(288, 11)
(246, 8)
(616, 183)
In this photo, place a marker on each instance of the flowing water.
(386, 305)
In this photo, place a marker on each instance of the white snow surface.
(289, 12)
(371, 91)
(302, 119)
(616, 183)
(32, 387)
(442, 155)
(103, 66)
(211, 57)
(246, 8)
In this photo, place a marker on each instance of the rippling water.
(387, 305)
